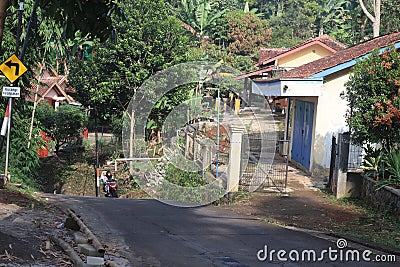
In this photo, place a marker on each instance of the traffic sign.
(12, 68)
(11, 91)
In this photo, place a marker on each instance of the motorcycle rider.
(107, 178)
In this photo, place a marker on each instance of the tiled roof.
(342, 56)
(324, 39)
(48, 83)
(267, 53)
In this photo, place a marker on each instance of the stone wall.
(386, 198)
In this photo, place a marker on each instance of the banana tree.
(333, 11)
(199, 15)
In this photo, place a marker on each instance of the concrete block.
(88, 250)
(94, 261)
(80, 238)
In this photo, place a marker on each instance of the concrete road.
(155, 234)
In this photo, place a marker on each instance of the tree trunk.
(362, 29)
(377, 23)
(376, 19)
(3, 15)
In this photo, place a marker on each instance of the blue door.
(302, 132)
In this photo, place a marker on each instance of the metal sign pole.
(8, 137)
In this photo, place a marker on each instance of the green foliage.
(148, 41)
(64, 124)
(383, 165)
(200, 15)
(193, 191)
(373, 94)
(390, 21)
(247, 32)
(373, 161)
(393, 166)
(183, 178)
(23, 161)
(90, 16)
(295, 20)
(214, 53)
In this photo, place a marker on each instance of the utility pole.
(97, 167)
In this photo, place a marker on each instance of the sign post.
(12, 68)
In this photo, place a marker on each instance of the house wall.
(329, 120)
(304, 56)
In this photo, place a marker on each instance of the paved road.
(156, 234)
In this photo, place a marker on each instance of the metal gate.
(352, 155)
(268, 168)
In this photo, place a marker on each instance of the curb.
(329, 236)
(369, 244)
(69, 250)
(91, 239)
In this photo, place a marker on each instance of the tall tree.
(247, 32)
(86, 16)
(376, 17)
(64, 124)
(148, 41)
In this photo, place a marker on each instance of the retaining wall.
(386, 198)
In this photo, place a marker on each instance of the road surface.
(155, 234)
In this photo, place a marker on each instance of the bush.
(383, 165)
(373, 94)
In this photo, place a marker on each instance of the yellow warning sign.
(12, 68)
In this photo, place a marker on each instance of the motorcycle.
(111, 189)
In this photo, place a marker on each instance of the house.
(52, 87)
(316, 108)
(275, 61)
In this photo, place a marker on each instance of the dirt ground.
(25, 226)
(307, 206)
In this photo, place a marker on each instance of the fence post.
(340, 181)
(235, 156)
(332, 166)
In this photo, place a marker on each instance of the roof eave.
(348, 64)
(291, 51)
(288, 87)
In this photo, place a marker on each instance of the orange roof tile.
(342, 56)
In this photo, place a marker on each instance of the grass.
(382, 227)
